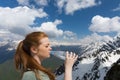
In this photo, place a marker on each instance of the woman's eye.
(46, 46)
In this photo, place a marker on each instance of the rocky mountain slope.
(96, 64)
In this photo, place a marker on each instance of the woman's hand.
(70, 59)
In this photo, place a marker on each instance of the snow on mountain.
(95, 64)
(9, 45)
(7, 50)
(2, 43)
(114, 72)
(91, 48)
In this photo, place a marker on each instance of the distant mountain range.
(95, 61)
(7, 49)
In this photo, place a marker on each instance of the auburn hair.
(23, 59)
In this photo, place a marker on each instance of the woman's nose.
(50, 48)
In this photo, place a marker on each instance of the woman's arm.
(69, 61)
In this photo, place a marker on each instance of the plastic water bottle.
(59, 54)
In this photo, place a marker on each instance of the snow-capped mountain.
(7, 50)
(10, 44)
(87, 50)
(95, 65)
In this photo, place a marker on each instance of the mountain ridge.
(94, 66)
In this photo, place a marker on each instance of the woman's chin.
(48, 56)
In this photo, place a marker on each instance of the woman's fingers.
(71, 55)
(67, 54)
(70, 59)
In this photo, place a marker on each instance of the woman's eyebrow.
(48, 44)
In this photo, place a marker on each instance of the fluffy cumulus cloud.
(95, 38)
(105, 24)
(18, 20)
(33, 2)
(6, 35)
(50, 28)
(70, 6)
(69, 35)
(68, 38)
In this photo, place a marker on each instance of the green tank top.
(30, 75)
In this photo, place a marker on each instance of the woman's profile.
(30, 53)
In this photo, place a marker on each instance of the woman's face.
(44, 48)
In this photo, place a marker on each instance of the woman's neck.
(37, 59)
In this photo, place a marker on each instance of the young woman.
(30, 53)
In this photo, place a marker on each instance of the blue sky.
(63, 20)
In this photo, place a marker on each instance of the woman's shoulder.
(44, 76)
(29, 75)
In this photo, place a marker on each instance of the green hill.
(8, 72)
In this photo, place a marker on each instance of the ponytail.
(21, 58)
(17, 56)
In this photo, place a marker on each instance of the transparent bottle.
(59, 54)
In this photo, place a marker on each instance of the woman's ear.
(33, 50)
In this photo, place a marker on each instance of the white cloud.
(117, 9)
(69, 35)
(6, 35)
(18, 20)
(105, 24)
(70, 6)
(57, 22)
(60, 4)
(42, 2)
(51, 28)
(23, 2)
(95, 38)
(33, 2)
(68, 38)
(54, 33)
